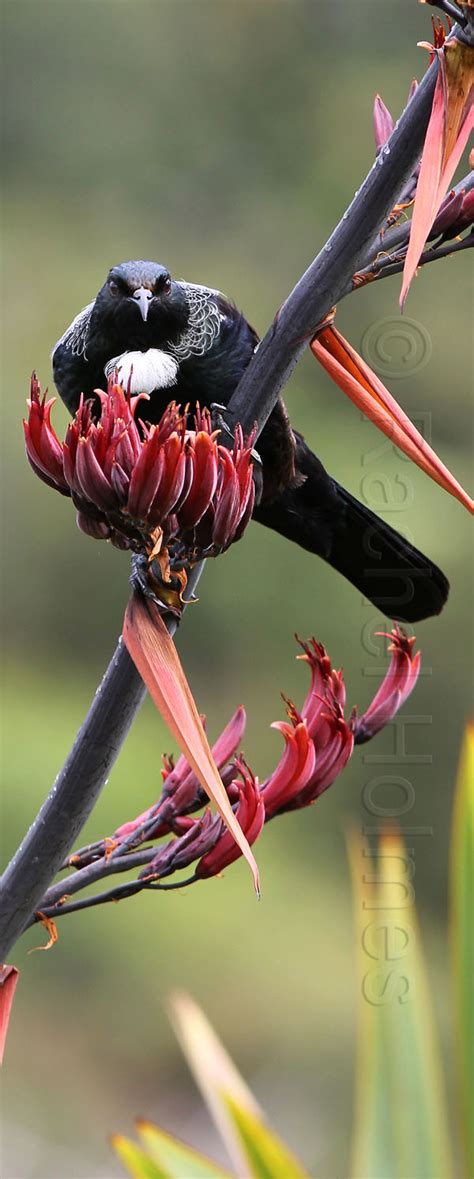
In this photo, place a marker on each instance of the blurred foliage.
(225, 140)
(255, 1149)
(164, 1158)
(401, 1120)
(401, 1117)
(462, 937)
(402, 1123)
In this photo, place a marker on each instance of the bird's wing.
(75, 336)
(205, 320)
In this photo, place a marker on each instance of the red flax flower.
(142, 487)
(207, 839)
(320, 740)
(397, 686)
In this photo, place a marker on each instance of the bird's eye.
(165, 286)
(114, 287)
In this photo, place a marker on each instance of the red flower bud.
(203, 462)
(43, 448)
(383, 123)
(181, 788)
(329, 762)
(448, 215)
(467, 211)
(295, 767)
(201, 836)
(250, 813)
(455, 214)
(398, 684)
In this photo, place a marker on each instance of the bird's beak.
(142, 296)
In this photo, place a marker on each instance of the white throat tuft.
(142, 372)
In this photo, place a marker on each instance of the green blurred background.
(225, 140)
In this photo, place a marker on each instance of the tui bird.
(181, 341)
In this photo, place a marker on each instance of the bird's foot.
(140, 578)
(218, 412)
(218, 420)
(146, 580)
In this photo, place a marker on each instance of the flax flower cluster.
(318, 742)
(142, 487)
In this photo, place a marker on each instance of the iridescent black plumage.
(186, 342)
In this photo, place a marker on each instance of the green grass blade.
(371, 1121)
(400, 1125)
(176, 1159)
(231, 1103)
(213, 1071)
(267, 1155)
(462, 931)
(137, 1163)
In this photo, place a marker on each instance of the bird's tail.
(325, 519)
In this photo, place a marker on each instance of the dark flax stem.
(119, 893)
(100, 738)
(395, 265)
(91, 874)
(75, 791)
(73, 796)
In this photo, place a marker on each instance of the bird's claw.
(255, 457)
(139, 578)
(146, 580)
(218, 419)
(217, 413)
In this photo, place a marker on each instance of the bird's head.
(140, 305)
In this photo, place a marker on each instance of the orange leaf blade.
(451, 123)
(427, 199)
(156, 658)
(8, 979)
(347, 369)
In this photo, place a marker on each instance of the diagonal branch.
(75, 791)
(101, 736)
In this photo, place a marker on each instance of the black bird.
(177, 340)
